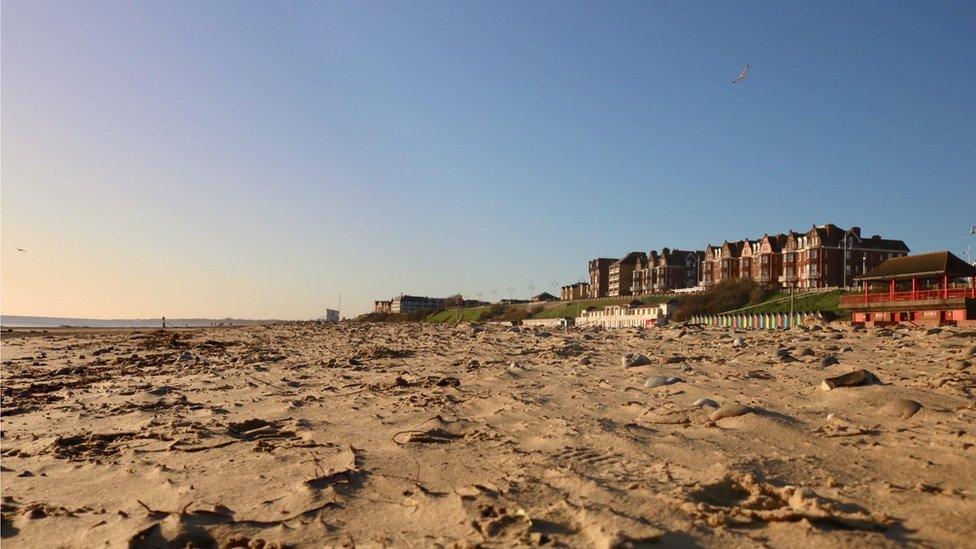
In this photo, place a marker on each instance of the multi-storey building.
(676, 269)
(643, 278)
(827, 256)
(768, 267)
(722, 262)
(410, 303)
(621, 274)
(600, 276)
(747, 258)
(572, 292)
(668, 271)
(382, 306)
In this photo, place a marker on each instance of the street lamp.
(844, 272)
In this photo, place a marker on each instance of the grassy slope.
(557, 309)
(777, 303)
(780, 303)
(469, 314)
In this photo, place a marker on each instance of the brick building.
(722, 263)
(600, 277)
(824, 256)
(621, 274)
(828, 256)
(572, 292)
(676, 269)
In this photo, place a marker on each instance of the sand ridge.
(309, 434)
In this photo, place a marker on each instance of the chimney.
(856, 231)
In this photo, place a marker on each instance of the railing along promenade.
(917, 295)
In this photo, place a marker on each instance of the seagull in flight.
(742, 76)
(21, 250)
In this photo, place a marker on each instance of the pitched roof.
(830, 234)
(735, 248)
(878, 243)
(921, 265)
(632, 257)
(776, 242)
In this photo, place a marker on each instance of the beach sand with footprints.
(310, 435)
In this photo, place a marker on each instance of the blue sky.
(257, 158)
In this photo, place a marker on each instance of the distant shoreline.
(49, 322)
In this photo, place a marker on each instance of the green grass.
(557, 309)
(469, 314)
(780, 303)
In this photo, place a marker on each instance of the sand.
(311, 435)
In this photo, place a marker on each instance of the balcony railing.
(918, 295)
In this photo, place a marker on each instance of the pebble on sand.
(658, 381)
(959, 364)
(902, 408)
(733, 410)
(828, 361)
(630, 361)
(851, 379)
(705, 402)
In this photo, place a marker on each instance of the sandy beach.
(310, 435)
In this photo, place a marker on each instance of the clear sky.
(254, 159)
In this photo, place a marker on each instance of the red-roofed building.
(930, 289)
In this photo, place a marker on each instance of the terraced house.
(827, 255)
(676, 269)
(722, 262)
(762, 260)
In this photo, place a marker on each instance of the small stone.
(852, 379)
(828, 361)
(631, 361)
(739, 342)
(902, 408)
(705, 402)
(969, 351)
(400, 382)
(803, 351)
(658, 381)
(734, 410)
(959, 364)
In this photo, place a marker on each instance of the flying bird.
(21, 250)
(742, 75)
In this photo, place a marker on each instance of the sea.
(16, 321)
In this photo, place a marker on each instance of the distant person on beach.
(164, 322)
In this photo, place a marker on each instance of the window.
(765, 259)
(813, 254)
